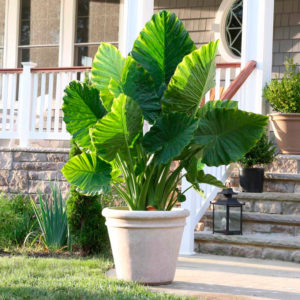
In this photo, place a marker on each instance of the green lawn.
(24, 277)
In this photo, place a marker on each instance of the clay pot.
(145, 244)
(287, 132)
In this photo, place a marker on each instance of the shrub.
(263, 152)
(16, 220)
(86, 223)
(284, 95)
(52, 219)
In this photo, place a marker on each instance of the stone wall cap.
(270, 196)
(34, 149)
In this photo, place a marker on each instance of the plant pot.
(252, 180)
(145, 244)
(287, 132)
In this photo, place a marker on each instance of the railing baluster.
(12, 102)
(34, 101)
(50, 99)
(218, 84)
(227, 78)
(42, 102)
(4, 101)
(57, 102)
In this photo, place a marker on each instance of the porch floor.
(223, 278)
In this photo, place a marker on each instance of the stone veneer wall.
(25, 171)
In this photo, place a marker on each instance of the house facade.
(63, 33)
(44, 44)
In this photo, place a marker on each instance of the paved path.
(223, 278)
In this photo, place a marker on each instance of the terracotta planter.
(145, 244)
(287, 132)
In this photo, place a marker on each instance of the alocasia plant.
(162, 81)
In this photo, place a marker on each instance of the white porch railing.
(31, 100)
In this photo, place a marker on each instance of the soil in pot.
(252, 180)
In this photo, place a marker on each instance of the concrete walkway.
(224, 278)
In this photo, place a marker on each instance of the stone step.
(266, 246)
(271, 203)
(274, 182)
(282, 183)
(288, 164)
(262, 223)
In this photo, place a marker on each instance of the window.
(2, 20)
(228, 29)
(39, 32)
(96, 21)
(233, 28)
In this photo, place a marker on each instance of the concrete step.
(266, 246)
(262, 223)
(271, 203)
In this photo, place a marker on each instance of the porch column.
(67, 33)
(133, 16)
(11, 33)
(257, 44)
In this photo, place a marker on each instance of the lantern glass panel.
(220, 218)
(234, 218)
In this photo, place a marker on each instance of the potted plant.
(284, 97)
(251, 177)
(162, 81)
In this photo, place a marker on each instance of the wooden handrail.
(60, 69)
(239, 81)
(228, 65)
(11, 71)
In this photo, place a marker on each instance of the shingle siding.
(199, 15)
(286, 34)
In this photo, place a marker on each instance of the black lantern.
(227, 213)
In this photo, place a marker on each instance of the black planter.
(252, 180)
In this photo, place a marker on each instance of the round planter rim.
(251, 168)
(124, 213)
(284, 114)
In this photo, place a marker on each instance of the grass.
(25, 277)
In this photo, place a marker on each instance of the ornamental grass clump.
(161, 82)
(284, 94)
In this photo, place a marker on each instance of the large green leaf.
(193, 78)
(108, 63)
(82, 109)
(169, 136)
(89, 173)
(137, 83)
(201, 177)
(210, 105)
(118, 130)
(228, 134)
(161, 46)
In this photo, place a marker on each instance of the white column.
(133, 16)
(187, 243)
(24, 107)
(11, 33)
(257, 44)
(67, 33)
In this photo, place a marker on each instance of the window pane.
(39, 25)
(44, 57)
(220, 218)
(2, 20)
(234, 218)
(97, 21)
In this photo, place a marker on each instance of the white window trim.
(11, 33)
(219, 28)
